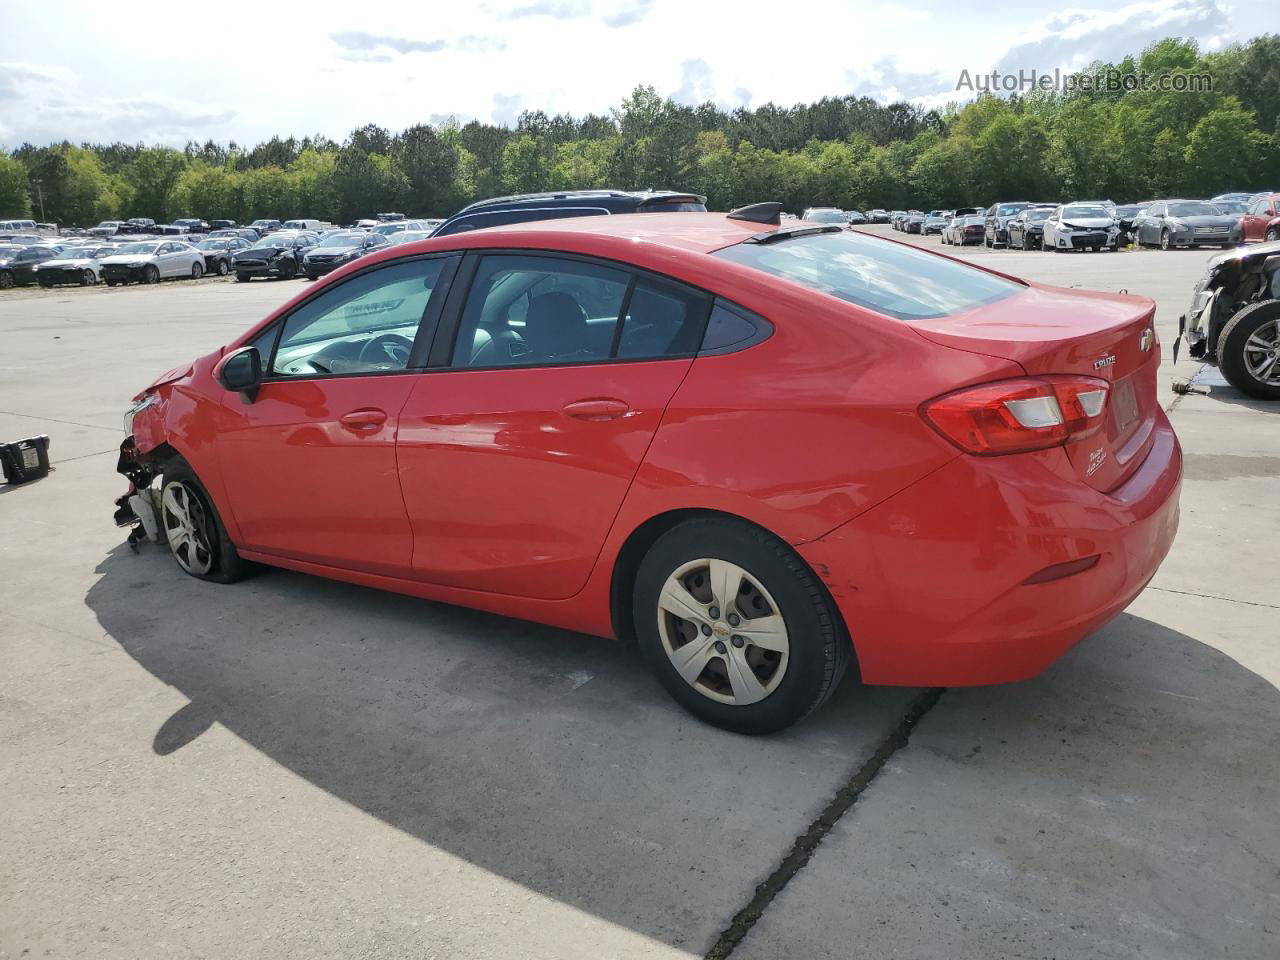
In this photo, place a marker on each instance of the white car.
(1081, 226)
(78, 264)
(150, 261)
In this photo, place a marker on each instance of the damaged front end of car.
(1232, 282)
(142, 458)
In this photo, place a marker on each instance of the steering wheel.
(387, 348)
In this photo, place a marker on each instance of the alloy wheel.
(1262, 354)
(722, 631)
(185, 523)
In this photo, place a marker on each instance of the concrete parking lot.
(293, 768)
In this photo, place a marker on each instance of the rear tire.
(1246, 344)
(803, 650)
(194, 531)
(6, 280)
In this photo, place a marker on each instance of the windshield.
(825, 216)
(387, 229)
(409, 236)
(1086, 212)
(893, 279)
(1231, 206)
(144, 248)
(1127, 211)
(1193, 209)
(1042, 213)
(352, 239)
(212, 245)
(1009, 209)
(275, 240)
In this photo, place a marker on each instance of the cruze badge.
(1104, 362)
(1144, 341)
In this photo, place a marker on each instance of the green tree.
(1225, 150)
(15, 190)
(526, 165)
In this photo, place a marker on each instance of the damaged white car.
(1234, 320)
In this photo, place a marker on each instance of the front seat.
(555, 327)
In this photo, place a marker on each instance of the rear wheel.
(1249, 350)
(6, 280)
(193, 529)
(737, 627)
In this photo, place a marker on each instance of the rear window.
(890, 278)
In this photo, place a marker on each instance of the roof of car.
(639, 196)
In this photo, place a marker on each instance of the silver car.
(150, 261)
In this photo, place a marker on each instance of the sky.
(173, 72)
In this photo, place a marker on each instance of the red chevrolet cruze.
(765, 452)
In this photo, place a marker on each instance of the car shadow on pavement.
(552, 759)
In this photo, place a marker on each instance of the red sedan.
(764, 452)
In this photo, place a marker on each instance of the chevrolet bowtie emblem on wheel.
(1145, 340)
(1104, 362)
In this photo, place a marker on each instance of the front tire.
(1273, 234)
(1249, 350)
(737, 627)
(6, 280)
(197, 271)
(194, 531)
(151, 274)
(88, 278)
(242, 278)
(223, 269)
(1165, 243)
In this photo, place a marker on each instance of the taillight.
(1012, 416)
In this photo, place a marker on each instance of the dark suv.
(570, 203)
(997, 221)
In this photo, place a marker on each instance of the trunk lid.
(1050, 330)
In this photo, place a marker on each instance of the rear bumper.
(932, 582)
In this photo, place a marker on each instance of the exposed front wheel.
(1273, 234)
(193, 529)
(1165, 242)
(6, 280)
(737, 627)
(151, 274)
(88, 278)
(197, 271)
(223, 269)
(1249, 350)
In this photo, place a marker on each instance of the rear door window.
(889, 278)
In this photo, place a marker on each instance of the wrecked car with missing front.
(1234, 319)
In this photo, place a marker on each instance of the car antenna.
(767, 212)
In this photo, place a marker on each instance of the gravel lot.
(292, 768)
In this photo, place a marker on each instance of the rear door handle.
(364, 420)
(603, 409)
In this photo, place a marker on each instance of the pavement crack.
(803, 849)
(1210, 596)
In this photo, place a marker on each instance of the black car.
(218, 252)
(914, 222)
(222, 224)
(996, 223)
(276, 255)
(265, 226)
(1184, 223)
(18, 266)
(1125, 215)
(570, 203)
(1025, 230)
(338, 248)
(193, 224)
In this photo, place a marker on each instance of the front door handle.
(364, 420)
(602, 409)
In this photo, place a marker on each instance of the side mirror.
(241, 372)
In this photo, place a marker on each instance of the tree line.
(851, 152)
